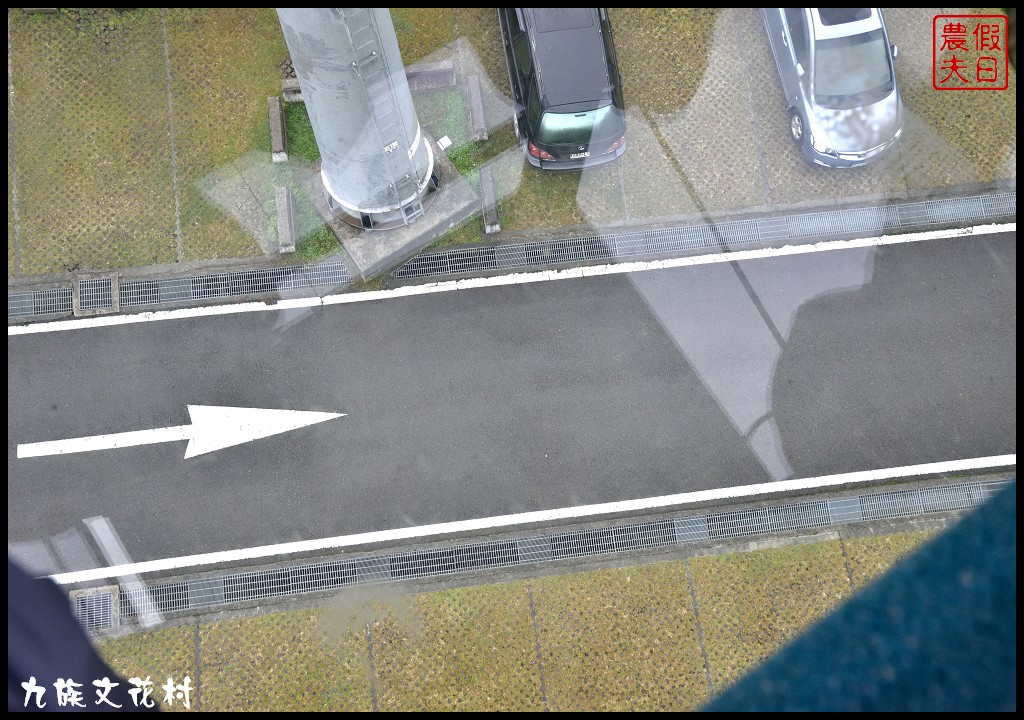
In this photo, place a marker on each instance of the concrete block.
(430, 76)
(278, 134)
(291, 91)
(475, 99)
(489, 201)
(285, 220)
(95, 294)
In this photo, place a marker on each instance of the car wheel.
(796, 127)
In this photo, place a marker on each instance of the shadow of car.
(569, 111)
(836, 68)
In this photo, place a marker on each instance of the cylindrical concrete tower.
(377, 168)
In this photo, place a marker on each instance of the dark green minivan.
(569, 112)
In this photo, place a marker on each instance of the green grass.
(224, 64)
(423, 31)
(317, 245)
(468, 231)
(316, 241)
(286, 662)
(542, 200)
(301, 140)
(871, 556)
(467, 649)
(479, 28)
(753, 603)
(471, 155)
(462, 159)
(662, 54)
(90, 118)
(498, 140)
(157, 654)
(444, 112)
(619, 640)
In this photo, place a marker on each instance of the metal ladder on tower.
(372, 68)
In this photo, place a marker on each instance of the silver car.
(836, 67)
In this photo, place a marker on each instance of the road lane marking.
(213, 427)
(509, 521)
(520, 278)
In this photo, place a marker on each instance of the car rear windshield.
(556, 19)
(581, 128)
(839, 16)
(852, 71)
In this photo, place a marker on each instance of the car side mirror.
(895, 51)
(799, 70)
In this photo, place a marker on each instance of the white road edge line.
(511, 279)
(506, 521)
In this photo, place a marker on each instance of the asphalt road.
(509, 399)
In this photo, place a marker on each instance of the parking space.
(728, 149)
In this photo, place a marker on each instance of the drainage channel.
(106, 608)
(672, 242)
(96, 295)
(106, 295)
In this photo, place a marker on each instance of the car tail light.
(538, 153)
(617, 144)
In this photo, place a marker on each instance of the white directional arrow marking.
(213, 427)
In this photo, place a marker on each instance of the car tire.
(797, 127)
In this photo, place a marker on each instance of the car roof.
(571, 63)
(843, 22)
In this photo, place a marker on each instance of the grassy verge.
(662, 54)
(90, 140)
(613, 639)
(223, 66)
(622, 639)
(752, 604)
(468, 649)
(156, 655)
(285, 662)
(871, 556)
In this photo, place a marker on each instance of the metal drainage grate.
(97, 294)
(55, 301)
(574, 250)
(445, 561)
(96, 609)
(233, 284)
(437, 562)
(730, 233)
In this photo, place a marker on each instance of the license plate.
(577, 156)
